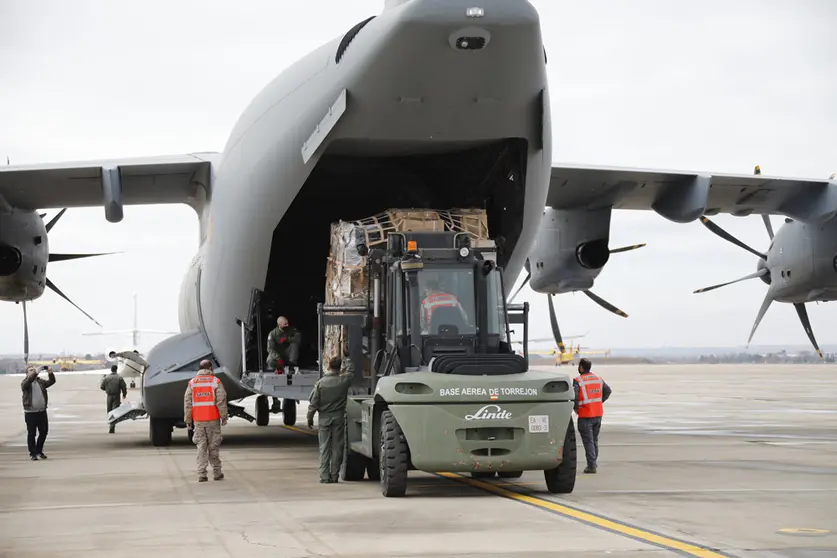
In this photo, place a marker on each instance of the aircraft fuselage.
(413, 96)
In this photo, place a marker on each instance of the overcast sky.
(711, 85)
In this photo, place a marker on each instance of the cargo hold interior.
(354, 186)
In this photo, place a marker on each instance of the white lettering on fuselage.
(489, 412)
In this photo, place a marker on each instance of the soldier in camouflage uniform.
(329, 399)
(282, 349)
(112, 384)
(206, 420)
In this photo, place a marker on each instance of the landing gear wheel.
(289, 412)
(394, 457)
(482, 474)
(510, 474)
(262, 411)
(561, 480)
(133, 384)
(354, 466)
(159, 431)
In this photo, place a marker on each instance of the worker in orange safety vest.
(205, 411)
(436, 298)
(590, 394)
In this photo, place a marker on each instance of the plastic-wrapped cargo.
(347, 281)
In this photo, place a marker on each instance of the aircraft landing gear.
(133, 384)
(289, 412)
(160, 431)
(262, 411)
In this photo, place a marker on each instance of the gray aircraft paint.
(443, 100)
(266, 142)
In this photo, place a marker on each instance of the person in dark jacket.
(113, 384)
(35, 400)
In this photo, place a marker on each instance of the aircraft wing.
(110, 183)
(680, 195)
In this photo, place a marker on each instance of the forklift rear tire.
(262, 411)
(561, 480)
(354, 467)
(289, 412)
(394, 457)
(482, 474)
(160, 430)
(510, 474)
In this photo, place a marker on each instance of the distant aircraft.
(385, 116)
(65, 363)
(128, 368)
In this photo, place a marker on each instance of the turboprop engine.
(569, 252)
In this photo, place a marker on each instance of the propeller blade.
(52, 286)
(55, 220)
(553, 321)
(728, 237)
(627, 248)
(764, 306)
(605, 304)
(65, 257)
(517, 292)
(803, 317)
(25, 335)
(758, 273)
(768, 225)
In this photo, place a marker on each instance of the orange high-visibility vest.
(203, 398)
(437, 300)
(589, 396)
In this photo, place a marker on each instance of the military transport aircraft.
(428, 104)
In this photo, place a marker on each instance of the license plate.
(539, 423)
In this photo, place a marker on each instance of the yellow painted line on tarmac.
(300, 430)
(617, 527)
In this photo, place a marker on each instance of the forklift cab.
(446, 298)
(434, 304)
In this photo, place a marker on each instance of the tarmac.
(694, 460)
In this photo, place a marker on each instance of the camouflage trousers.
(332, 435)
(208, 438)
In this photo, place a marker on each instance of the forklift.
(445, 391)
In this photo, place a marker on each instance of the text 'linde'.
(489, 412)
